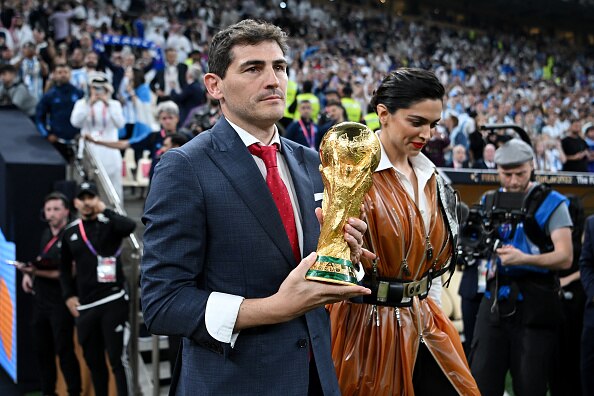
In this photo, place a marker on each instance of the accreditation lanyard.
(49, 245)
(309, 136)
(103, 116)
(83, 234)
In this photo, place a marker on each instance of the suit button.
(302, 343)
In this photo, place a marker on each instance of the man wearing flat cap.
(93, 285)
(516, 327)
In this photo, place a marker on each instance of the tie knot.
(267, 153)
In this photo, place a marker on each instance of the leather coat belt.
(393, 293)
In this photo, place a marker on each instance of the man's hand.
(27, 284)
(298, 295)
(295, 297)
(72, 303)
(353, 235)
(26, 268)
(510, 255)
(52, 138)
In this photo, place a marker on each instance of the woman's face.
(406, 131)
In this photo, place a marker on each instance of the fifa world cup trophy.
(349, 154)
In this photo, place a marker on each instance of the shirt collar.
(248, 139)
(423, 166)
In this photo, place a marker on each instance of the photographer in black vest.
(529, 228)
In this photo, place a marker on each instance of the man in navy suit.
(587, 276)
(219, 268)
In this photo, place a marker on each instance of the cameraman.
(516, 327)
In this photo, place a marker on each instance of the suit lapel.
(305, 195)
(237, 164)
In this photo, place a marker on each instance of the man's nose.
(272, 80)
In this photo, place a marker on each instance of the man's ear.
(212, 82)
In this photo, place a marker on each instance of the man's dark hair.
(7, 68)
(347, 91)
(405, 87)
(338, 104)
(246, 32)
(177, 140)
(57, 65)
(59, 196)
(307, 86)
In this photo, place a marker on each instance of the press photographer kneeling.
(528, 229)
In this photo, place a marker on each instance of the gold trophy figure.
(349, 154)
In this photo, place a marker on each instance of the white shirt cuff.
(220, 316)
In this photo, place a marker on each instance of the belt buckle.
(382, 291)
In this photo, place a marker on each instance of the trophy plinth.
(349, 154)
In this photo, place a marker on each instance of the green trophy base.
(332, 270)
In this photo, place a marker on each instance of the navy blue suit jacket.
(587, 270)
(212, 225)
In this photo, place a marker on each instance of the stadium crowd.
(537, 82)
(128, 74)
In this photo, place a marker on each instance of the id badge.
(482, 276)
(106, 269)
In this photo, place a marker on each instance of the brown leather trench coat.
(374, 348)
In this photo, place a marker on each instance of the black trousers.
(565, 376)
(587, 361)
(53, 331)
(506, 344)
(470, 307)
(102, 329)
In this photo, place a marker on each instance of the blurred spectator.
(457, 131)
(171, 78)
(459, 157)
(177, 40)
(307, 94)
(21, 32)
(60, 21)
(190, 96)
(336, 114)
(304, 131)
(101, 117)
(32, 69)
(575, 149)
(437, 146)
(352, 107)
(54, 109)
(44, 50)
(13, 91)
(488, 158)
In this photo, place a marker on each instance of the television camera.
(488, 224)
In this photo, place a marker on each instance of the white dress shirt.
(222, 308)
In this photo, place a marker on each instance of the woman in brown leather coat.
(398, 341)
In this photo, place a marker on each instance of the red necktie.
(279, 192)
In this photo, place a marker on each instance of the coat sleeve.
(173, 265)
(587, 259)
